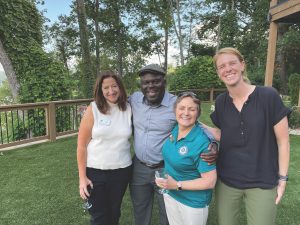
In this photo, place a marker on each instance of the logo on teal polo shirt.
(183, 150)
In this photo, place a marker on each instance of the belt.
(154, 166)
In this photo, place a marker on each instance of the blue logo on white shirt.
(183, 150)
(105, 122)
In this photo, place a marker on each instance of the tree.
(178, 27)
(65, 36)
(162, 12)
(185, 17)
(13, 82)
(5, 93)
(199, 72)
(88, 79)
(40, 76)
(287, 54)
(240, 24)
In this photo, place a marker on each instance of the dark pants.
(142, 191)
(107, 194)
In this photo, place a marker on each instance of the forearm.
(282, 138)
(206, 181)
(283, 158)
(200, 183)
(81, 161)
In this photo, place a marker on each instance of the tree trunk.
(88, 78)
(180, 34)
(119, 35)
(166, 48)
(219, 34)
(178, 29)
(281, 60)
(97, 35)
(13, 82)
(63, 55)
(190, 30)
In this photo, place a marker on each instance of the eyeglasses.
(187, 94)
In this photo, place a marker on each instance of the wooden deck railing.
(24, 123)
(205, 95)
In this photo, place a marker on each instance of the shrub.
(294, 85)
(294, 119)
(198, 73)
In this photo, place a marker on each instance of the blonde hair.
(232, 51)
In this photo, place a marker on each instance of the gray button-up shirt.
(152, 125)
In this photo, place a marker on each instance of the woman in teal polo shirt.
(190, 180)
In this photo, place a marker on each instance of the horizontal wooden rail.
(59, 118)
(53, 111)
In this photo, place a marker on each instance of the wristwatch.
(284, 178)
(179, 186)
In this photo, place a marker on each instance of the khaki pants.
(259, 203)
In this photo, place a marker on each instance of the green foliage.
(294, 119)
(18, 131)
(229, 32)
(256, 75)
(289, 44)
(198, 73)
(12, 126)
(294, 86)
(5, 94)
(240, 24)
(202, 50)
(44, 79)
(41, 77)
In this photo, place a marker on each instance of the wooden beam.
(285, 13)
(51, 122)
(283, 6)
(271, 54)
(273, 3)
(299, 99)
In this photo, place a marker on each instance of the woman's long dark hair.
(101, 102)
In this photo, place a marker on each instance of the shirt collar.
(191, 135)
(250, 97)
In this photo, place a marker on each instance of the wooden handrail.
(50, 115)
(50, 119)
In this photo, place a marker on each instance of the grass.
(39, 185)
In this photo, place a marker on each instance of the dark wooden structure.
(287, 11)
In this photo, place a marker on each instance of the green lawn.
(39, 185)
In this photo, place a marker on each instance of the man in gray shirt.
(153, 120)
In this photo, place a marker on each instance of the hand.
(211, 156)
(167, 184)
(83, 187)
(280, 191)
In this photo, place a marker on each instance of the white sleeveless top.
(109, 147)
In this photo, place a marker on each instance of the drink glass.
(87, 204)
(161, 174)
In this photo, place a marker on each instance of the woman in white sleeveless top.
(103, 150)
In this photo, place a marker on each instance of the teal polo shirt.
(183, 162)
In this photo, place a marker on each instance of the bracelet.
(284, 178)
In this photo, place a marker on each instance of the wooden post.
(271, 54)
(51, 125)
(211, 95)
(271, 50)
(299, 99)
